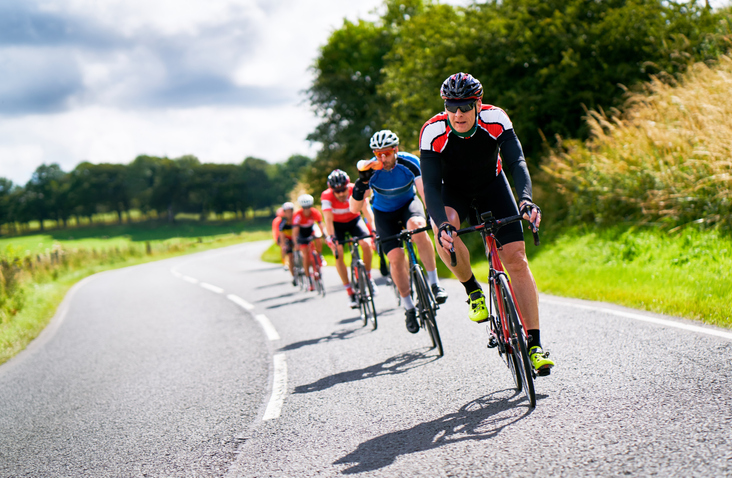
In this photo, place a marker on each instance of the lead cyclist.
(461, 167)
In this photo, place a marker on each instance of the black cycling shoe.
(353, 302)
(412, 325)
(440, 293)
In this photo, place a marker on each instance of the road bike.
(425, 301)
(506, 327)
(361, 283)
(315, 267)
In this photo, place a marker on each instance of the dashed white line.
(268, 327)
(212, 288)
(645, 318)
(279, 388)
(190, 279)
(239, 301)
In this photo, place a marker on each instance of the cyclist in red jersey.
(276, 233)
(339, 220)
(461, 166)
(285, 237)
(303, 229)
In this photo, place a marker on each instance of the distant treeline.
(546, 62)
(165, 186)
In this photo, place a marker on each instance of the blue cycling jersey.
(393, 189)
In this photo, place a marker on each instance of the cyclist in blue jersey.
(391, 178)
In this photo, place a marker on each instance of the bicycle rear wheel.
(299, 272)
(367, 297)
(518, 341)
(427, 310)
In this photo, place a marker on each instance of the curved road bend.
(214, 365)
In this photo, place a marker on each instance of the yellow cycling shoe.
(540, 361)
(478, 311)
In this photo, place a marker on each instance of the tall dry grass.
(666, 160)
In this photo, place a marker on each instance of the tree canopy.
(544, 61)
(149, 183)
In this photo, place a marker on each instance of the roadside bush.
(667, 160)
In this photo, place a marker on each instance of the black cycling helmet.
(338, 178)
(461, 88)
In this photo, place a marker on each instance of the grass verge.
(42, 295)
(685, 274)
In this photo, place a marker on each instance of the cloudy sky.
(107, 80)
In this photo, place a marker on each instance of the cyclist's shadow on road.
(480, 419)
(396, 365)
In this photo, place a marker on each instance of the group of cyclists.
(465, 152)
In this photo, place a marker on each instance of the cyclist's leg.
(462, 270)
(340, 229)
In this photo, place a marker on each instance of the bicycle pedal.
(543, 372)
(492, 342)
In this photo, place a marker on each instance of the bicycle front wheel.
(504, 346)
(317, 273)
(427, 310)
(518, 341)
(367, 297)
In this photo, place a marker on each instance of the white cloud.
(219, 79)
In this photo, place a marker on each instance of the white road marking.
(212, 288)
(190, 279)
(268, 327)
(176, 273)
(239, 301)
(645, 318)
(279, 388)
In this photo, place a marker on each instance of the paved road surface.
(215, 365)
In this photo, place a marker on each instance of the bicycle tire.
(504, 349)
(367, 296)
(317, 273)
(427, 310)
(518, 342)
(299, 272)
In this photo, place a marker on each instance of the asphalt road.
(215, 365)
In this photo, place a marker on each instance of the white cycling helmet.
(384, 139)
(288, 206)
(306, 200)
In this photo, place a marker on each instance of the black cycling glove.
(359, 189)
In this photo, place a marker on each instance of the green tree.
(7, 191)
(344, 95)
(42, 192)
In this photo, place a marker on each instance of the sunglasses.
(379, 152)
(463, 108)
(340, 190)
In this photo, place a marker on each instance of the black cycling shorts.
(355, 227)
(497, 198)
(391, 223)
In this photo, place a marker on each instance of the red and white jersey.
(299, 219)
(340, 209)
(436, 132)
